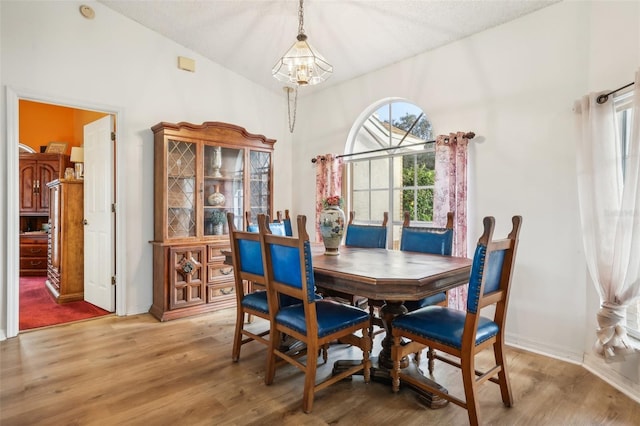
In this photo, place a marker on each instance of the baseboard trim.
(589, 362)
(595, 365)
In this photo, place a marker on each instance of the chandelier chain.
(292, 122)
(301, 18)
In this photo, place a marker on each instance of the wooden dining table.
(391, 276)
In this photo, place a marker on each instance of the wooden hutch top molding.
(216, 131)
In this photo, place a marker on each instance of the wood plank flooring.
(138, 371)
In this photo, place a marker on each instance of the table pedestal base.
(383, 375)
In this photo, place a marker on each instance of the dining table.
(392, 276)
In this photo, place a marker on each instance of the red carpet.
(38, 309)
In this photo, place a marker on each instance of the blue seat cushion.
(332, 316)
(444, 325)
(256, 301)
(414, 305)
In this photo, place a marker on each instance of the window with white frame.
(390, 166)
(624, 113)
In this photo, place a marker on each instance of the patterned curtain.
(451, 195)
(328, 182)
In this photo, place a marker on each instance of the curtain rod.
(469, 135)
(604, 98)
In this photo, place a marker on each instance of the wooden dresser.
(65, 266)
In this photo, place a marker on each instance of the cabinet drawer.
(218, 273)
(33, 263)
(33, 250)
(214, 253)
(217, 292)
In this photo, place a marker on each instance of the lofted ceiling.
(355, 36)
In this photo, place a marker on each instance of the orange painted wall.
(41, 123)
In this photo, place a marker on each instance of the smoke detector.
(87, 11)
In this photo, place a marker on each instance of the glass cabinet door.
(181, 191)
(259, 182)
(223, 188)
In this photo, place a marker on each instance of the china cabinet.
(201, 172)
(65, 266)
(35, 171)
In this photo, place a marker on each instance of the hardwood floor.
(138, 371)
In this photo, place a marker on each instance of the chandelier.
(302, 65)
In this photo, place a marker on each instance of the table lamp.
(77, 157)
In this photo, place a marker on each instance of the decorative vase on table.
(332, 229)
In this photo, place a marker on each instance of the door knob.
(84, 222)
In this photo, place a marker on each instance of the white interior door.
(99, 264)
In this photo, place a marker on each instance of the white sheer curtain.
(610, 215)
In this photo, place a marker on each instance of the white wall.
(49, 50)
(514, 86)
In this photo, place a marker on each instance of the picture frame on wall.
(56, 147)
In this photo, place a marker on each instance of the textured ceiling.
(355, 36)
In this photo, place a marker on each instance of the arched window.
(390, 163)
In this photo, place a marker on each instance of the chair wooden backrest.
(427, 239)
(465, 334)
(490, 279)
(291, 271)
(288, 230)
(368, 236)
(286, 222)
(315, 322)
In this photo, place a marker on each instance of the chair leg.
(503, 375)
(397, 357)
(310, 379)
(431, 355)
(467, 366)
(366, 351)
(270, 372)
(237, 338)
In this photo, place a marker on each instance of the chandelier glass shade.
(302, 65)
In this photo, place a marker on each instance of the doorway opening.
(17, 109)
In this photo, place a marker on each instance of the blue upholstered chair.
(465, 334)
(368, 236)
(427, 240)
(289, 271)
(275, 227)
(247, 268)
(286, 221)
